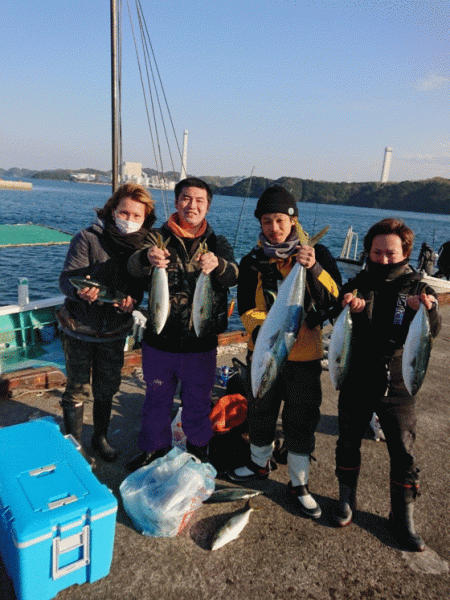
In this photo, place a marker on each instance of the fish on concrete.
(416, 351)
(232, 528)
(231, 495)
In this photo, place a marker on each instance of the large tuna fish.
(280, 328)
(416, 351)
(279, 331)
(339, 348)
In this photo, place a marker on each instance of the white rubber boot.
(298, 467)
(257, 468)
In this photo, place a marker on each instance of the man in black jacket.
(176, 353)
(388, 294)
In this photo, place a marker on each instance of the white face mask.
(125, 226)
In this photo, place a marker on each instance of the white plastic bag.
(161, 498)
(178, 435)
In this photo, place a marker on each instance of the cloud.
(432, 82)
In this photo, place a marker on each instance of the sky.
(314, 89)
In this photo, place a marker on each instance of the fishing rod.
(242, 207)
(233, 300)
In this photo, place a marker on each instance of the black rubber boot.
(348, 482)
(200, 452)
(73, 424)
(99, 442)
(145, 458)
(73, 419)
(401, 521)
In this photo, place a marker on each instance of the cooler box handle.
(61, 546)
(62, 502)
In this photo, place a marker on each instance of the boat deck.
(279, 554)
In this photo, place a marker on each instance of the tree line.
(427, 196)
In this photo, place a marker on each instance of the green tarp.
(31, 235)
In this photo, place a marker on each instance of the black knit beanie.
(276, 199)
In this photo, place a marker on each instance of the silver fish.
(159, 300)
(231, 495)
(416, 351)
(202, 304)
(280, 328)
(339, 348)
(278, 332)
(231, 529)
(158, 303)
(105, 294)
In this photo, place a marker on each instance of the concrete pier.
(15, 185)
(279, 554)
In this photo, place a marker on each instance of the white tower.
(184, 158)
(386, 165)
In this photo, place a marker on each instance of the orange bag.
(230, 411)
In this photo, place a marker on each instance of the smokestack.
(386, 165)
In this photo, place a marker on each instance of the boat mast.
(184, 156)
(115, 138)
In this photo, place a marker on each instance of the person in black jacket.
(177, 353)
(384, 299)
(94, 332)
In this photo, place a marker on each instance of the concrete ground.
(279, 554)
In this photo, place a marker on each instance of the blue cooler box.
(57, 520)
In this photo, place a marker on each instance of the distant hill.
(428, 196)
(64, 174)
(55, 174)
(16, 173)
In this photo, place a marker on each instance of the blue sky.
(309, 89)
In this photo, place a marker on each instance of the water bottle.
(224, 376)
(22, 291)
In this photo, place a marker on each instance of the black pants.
(92, 365)
(299, 386)
(377, 386)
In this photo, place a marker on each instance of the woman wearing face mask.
(94, 332)
(388, 294)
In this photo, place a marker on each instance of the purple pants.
(162, 372)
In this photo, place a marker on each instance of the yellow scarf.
(173, 224)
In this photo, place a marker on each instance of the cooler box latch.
(62, 546)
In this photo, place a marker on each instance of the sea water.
(69, 206)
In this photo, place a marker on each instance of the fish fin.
(318, 236)
(273, 339)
